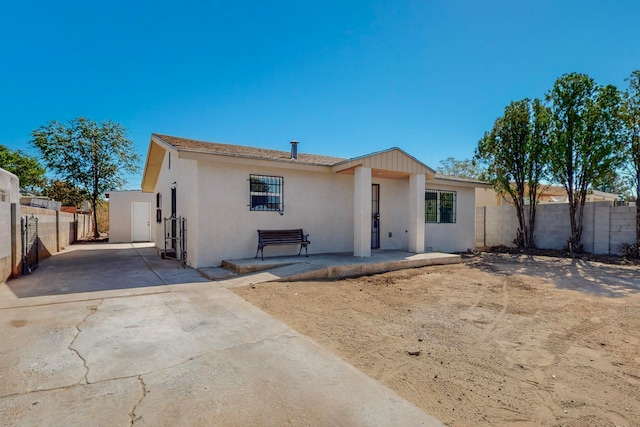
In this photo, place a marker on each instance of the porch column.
(416, 212)
(362, 212)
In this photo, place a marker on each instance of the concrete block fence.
(605, 227)
(56, 230)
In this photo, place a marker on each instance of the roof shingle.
(191, 145)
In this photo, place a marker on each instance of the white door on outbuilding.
(140, 222)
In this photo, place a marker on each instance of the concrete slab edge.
(355, 270)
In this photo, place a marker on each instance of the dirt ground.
(502, 339)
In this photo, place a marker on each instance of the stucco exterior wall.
(9, 194)
(184, 174)
(120, 213)
(394, 215)
(459, 236)
(319, 203)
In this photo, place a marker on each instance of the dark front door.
(174, 230)
(375, 216)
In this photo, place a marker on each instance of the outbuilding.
(130, 216)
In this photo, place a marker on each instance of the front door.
(375, 216)
(140, 222)
(174, 210)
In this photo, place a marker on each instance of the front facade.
(226, 193)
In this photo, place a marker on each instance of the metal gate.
(175, 241)
(30, 243)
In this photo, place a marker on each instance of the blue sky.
(344, 78)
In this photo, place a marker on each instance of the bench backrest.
(281, 236)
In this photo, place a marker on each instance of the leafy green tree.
(586, 143)
(461, 168)
(27, 168)
(66, 193)
(95, 157)
(616, 182)
(631, 133)
(515, 152)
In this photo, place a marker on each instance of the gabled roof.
(393, 163)
(194, 146)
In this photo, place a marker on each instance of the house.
(547, 194)
(220, 194)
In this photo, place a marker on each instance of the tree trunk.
(638, 208)
(94, 204)
(531, 238)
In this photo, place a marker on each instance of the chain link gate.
(30, 243)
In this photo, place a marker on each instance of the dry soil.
(499, 340)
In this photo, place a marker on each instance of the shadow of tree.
(566, 273)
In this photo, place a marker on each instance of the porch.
(240, 272)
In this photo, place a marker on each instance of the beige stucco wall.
(120, 213)
(394, 217)
(184, 174)
(319, 203)
(9, 193)
(459, 236)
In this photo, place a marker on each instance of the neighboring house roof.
(459, 180)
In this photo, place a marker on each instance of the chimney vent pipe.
(294, 150)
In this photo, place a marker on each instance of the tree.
(94, 157)
(28, 169)
(585, 143)
(66, 193)
(515, 152)
(461, 168)
(616, 182)
(631, 134)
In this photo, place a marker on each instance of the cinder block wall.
(623, 226)
(605, 228)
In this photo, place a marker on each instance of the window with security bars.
(265, 193)
(440, 206)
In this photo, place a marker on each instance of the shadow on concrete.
(567, 273)
(91, 267)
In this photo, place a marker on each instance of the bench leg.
(260, 250)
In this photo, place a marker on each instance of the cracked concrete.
(132, 413)
(171, 355)
(92, 310)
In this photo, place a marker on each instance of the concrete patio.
(106, 334)
(323, 266)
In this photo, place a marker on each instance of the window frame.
(274, 199)
(440, 206)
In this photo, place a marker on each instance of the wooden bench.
(282, 237)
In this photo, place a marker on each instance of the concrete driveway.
(110, 335)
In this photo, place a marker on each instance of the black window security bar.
(266, 193)
(440, 206)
